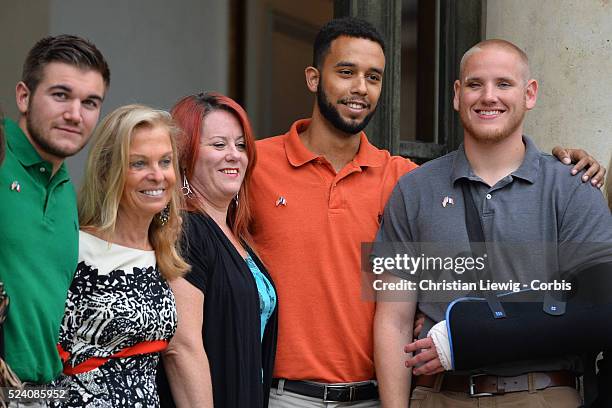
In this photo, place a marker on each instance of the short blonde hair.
(501, 44)
(105, 175)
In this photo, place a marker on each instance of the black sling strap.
(476, 235)
(554, 302)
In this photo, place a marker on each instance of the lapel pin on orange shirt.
(448, 201)
(281, 201)
(15, 186)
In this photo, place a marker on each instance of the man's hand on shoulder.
(581, 161)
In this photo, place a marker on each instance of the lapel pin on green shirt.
(15, 186)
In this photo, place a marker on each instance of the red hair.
(189, 113)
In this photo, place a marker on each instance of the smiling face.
(61, 113)
(150, 177)
(494, 94)
(222, 160)
(350, 82)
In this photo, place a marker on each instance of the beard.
(493, 135)
(44, 142)
(330, 112)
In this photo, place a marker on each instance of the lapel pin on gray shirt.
(448, 201)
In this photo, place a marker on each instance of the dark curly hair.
(345, 26)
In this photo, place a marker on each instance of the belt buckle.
(333, 386)
(472, 391)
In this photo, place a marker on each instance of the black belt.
(331, 392)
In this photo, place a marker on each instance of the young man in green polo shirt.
(59, 98)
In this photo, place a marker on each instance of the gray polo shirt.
(536, 207)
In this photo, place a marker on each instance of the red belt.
(92, 363)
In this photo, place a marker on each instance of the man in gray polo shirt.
(521, 194)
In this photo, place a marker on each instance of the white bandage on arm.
(439, 335)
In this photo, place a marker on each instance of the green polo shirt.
(38, 255)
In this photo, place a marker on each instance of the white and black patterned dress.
(117, 300)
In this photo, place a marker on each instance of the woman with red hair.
(223, 350)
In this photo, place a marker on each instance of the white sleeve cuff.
(439, 335)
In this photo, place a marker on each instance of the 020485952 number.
(31, 394)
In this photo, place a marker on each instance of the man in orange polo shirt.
(318, 192)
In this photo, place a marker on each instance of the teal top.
(267, 295)
(38, 255)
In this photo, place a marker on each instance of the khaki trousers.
(553, 397)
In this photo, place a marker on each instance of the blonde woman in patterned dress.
(120, 311)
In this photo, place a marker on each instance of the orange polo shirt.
(309, 223)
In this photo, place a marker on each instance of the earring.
(163, 216)
(186, 189)
(236, 199)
